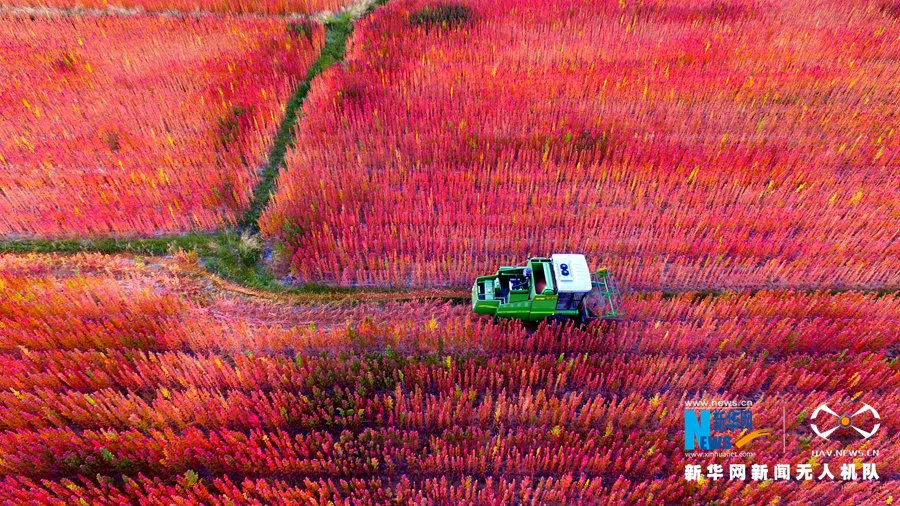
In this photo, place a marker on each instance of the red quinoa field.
(185, 396)
(687, 145)
(238, 242)
(139, 125)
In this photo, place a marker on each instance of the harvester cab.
(558, 288)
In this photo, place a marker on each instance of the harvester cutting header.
(559, 288)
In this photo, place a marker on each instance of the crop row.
(465, 491)
(146, 372)
(157, 374)
(98, 140)
(103, 313)
(315, 454)
(458, 450)
(189, 490)
(95, 286)
(755, 148)
(771, 336)
(341, 408)
(194, 6)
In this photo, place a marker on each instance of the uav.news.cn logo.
(845, 421)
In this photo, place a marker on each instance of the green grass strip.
(147, 246)
(338, 29)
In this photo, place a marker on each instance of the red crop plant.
(684, 144)
(139, 125)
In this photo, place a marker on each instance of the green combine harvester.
(558, 288)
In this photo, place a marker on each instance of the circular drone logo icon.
(845, 421)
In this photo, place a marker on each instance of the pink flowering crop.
(218, 6)
(731, 162)
(139, 125)
(127, 382)
(685, 145)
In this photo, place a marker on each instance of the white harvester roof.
(572, 273)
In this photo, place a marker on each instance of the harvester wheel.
(557, 320)
(580, 320)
